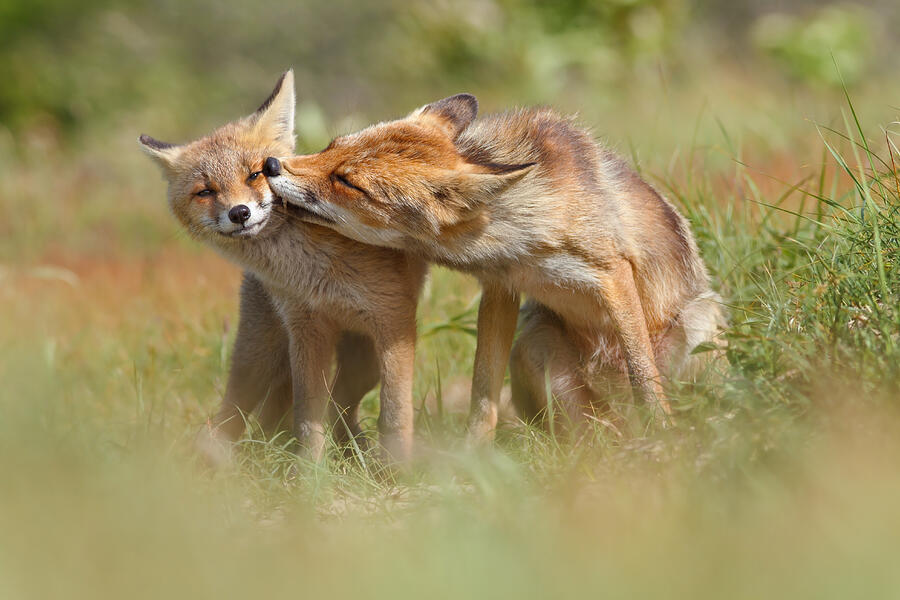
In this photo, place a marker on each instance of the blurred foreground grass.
(778, 480)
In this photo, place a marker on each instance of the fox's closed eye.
(254, 175)
(346, 183)
(205, 192)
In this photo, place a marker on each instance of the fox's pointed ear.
(453, 114)
(465, 190)
(274, 119)
(162, 152)
(504, 171)
(482, 181)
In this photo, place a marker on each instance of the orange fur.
(308, 293)
(529, 203)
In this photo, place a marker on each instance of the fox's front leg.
(619, 294)
(312, 343)
(497, 315)
(396, 351)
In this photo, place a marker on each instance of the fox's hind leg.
(357, 373)
(618, 293)
(259, 378)
(544, 356)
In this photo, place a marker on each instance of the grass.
(778, 479)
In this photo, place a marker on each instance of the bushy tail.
(701, 322)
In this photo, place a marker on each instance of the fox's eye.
(205, 193)
(346, 183)
(253, 176)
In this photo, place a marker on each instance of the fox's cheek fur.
(328, 206)
(349, 224)
(197, 218)
(259, 216)
(422, 214)
(204, 217)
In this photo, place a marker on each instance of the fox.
(529, 203)
(308, 294)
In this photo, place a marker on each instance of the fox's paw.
(660, 413)
(481, 430)
(212, 450)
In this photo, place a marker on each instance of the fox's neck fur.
(296, 259)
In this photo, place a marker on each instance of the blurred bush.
(183, 65)
(809, 48)
(67, 64)
(537, 48)
(34, 36)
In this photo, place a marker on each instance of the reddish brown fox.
(308, 292)
(529, 203)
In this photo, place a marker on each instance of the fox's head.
(403, 178)
(216, 186)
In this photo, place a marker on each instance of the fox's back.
(576, 181)
(582, 199)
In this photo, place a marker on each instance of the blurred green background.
(72, 67)
(81, 80)
(779, 478)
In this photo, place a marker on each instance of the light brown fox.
(527, 202)
(307, 291)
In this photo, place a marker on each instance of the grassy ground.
(779, 478)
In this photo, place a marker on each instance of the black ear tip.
(470, 101)
(460, 110)
(154, 143)
(276, 91)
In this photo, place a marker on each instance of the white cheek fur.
(344, 221)
(350, 226)
(259, 212)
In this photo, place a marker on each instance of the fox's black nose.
(239, 214)
(271, 167)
